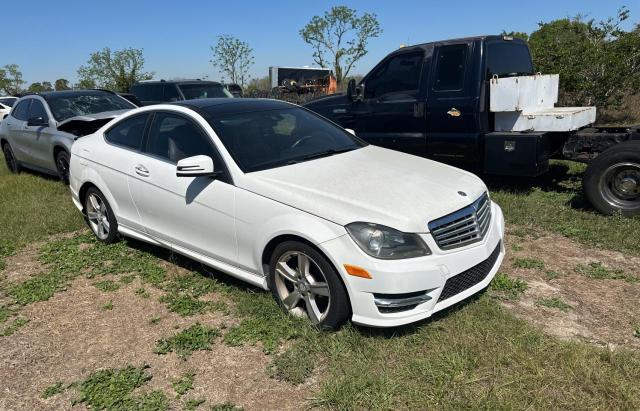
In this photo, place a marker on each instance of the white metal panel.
(523, 92)
(551, 119)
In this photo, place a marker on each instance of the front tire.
(612, 180)
(10, 159)
(62, 165)
(304, 283)
(100, 217)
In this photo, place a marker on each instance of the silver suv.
(40, 129)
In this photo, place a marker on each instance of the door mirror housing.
(196, 166)
(37, 122)
(350, 131)
(355, 92)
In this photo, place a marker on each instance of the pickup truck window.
(451, 67)
(148, 92)
(506, 58)
(400, 73)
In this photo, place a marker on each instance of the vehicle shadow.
(559, 179)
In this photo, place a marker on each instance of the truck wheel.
(612, 181)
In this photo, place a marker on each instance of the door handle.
(454, 112)
(141, 170)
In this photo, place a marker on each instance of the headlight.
(383, 242)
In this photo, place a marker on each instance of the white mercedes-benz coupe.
(284, 199)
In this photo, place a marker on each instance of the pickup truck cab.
(434, 100)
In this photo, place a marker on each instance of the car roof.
(67, 93)
(186, 81)
(218, 106)
(432, 44)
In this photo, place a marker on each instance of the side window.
(451, 67)
(148, 92)
(171, 93)
(37, 110)
(21, 111)
(128, 133)
(174, 137)
(400, 73)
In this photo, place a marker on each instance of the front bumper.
(416, 284)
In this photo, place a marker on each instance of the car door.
(122, 148)
(396, 109)
(16, 123)
(196, 213)
(37, 139)
(452, 105)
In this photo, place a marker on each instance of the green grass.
(108, 306)
(295, 364)
(112, 389)
(227, 406)
(14, 326)
(554, 302)
(183, 384)
(107, 286)
(5, 313)
(598, 271)
(529, 263)
(187, 305)
(554, 202)
(184, 343)
(33, 206)
(54, 389)
(142, 292)
(507, 287)
(193, 404)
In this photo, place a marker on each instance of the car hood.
(88, 123)
(371, 184)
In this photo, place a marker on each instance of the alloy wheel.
(302, 286)
(97, 216)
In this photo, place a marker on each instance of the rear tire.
(62, 165)
(318, 294)
(10, 159)
(612, 180)
(100, 217)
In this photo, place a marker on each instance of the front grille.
(470, 277)
(463, 227)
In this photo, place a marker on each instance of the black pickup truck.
(432, 100)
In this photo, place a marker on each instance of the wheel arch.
(281, 238)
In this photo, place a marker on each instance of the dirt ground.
(603, 311)
(71, 335)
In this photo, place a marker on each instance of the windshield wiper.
(326, 153)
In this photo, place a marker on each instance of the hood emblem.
(462, 193)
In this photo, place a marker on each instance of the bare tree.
(234, 58)
(117, 70)
(340, 38)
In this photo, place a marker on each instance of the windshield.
(261, 140)
(8, 101)
(72, 105)
(194, 91)
(506, 58)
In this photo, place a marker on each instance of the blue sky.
(51, 39)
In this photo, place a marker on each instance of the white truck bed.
(527, 103)
(545, 119)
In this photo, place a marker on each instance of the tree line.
(598, 61)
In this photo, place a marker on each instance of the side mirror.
(350, 131)
(196, 166)
(37, 122)
(351, 89)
